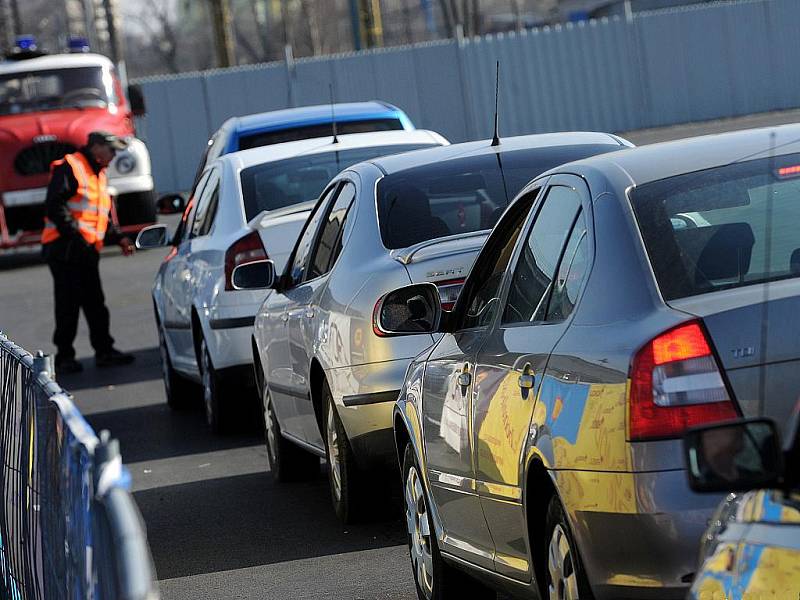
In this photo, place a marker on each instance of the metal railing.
(69, 527)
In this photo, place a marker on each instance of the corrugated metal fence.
(660, 68)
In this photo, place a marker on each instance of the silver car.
(204, 322)
(329, 375)
(540, 436)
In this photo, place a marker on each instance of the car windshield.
(722, 228)
(34, 91)
(274, 185)
(267, 138)
(462, 195)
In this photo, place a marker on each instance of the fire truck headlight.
(125, 164)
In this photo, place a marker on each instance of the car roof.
(353, 141)
(315, 115)
(401, 162)
(54, 61)
(659, 161)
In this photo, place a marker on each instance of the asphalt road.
(218, 526)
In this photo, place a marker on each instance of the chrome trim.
(499, 491)
(450, 481)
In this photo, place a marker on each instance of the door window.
(329, 242)
(206, 207)
(482, 289)
(304, 244)
(537, 264)
(571, 273)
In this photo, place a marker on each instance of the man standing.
(75, 227)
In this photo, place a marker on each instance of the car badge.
(743, 352)
(41, 139)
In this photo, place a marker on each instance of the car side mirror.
(136, 98)
(410, 310)
(154, 236)
(256, 275)
(171, 204)
(734, 456)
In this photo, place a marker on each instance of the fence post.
(43, 363)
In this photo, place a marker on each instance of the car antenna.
(764, 343)
(496, 138)
(333, 116)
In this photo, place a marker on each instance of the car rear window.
(282, 183)
(267, 138)
(462, 195)
(721, 228)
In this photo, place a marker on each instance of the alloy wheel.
(334, 460)
(419, 532)
(563, 583)
(162, 348)
(269, 430)
(205, 368)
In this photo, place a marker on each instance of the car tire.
(136, 208)
(180, 391)
(287, 461)
(344, 476)
(564, 575)
(217, 410)
(434, 578)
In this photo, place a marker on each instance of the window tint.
(329, 242)
(721, 228)
(267, 138)
(303, 246)
(206, 206)
(464, 194)
(571, 273)
(281, 183)
(490, 266)
(537, 263)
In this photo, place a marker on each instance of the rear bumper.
(651, 549)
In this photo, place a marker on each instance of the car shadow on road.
(249, 520)
(146, 368)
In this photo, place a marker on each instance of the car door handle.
(284, 317)
(528, 378)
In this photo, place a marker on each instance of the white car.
(247, 206)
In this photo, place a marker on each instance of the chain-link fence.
(69, 527)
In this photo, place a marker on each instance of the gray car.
(540, 436)
(328, 375)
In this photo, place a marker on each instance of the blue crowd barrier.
(69, 528)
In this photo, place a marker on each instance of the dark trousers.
(77, 286)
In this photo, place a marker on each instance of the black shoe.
(68, 366)
(113, 358)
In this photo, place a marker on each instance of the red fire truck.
(48, 106)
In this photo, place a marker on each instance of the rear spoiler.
(267, 215)
(405, 256)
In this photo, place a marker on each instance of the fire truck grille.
(36, 159)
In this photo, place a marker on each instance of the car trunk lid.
(735, 320)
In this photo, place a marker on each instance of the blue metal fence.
(660, 68)
(69, 528)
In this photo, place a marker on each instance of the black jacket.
(63, 186)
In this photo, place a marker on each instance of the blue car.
(292, 124)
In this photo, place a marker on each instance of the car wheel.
(180, 392)
(565, 577)
(343, 474)
(287, 462)
(435, 579)
(216, 410)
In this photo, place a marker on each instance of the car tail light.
(245, 250)
(676, 384)
(448, 292)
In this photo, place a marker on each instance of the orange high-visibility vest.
(90, 206)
